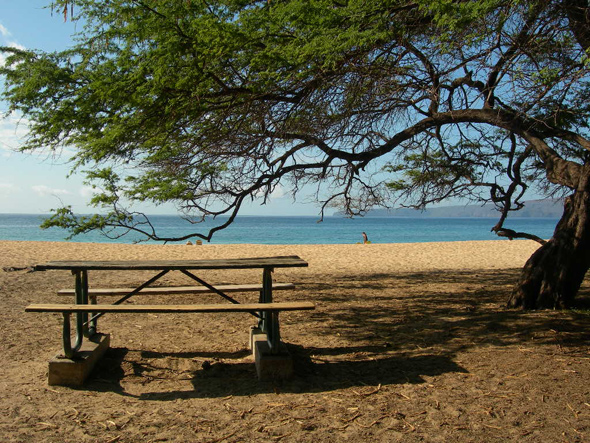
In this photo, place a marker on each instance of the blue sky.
(36, 183)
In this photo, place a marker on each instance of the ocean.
(297, 230)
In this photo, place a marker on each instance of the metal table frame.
(86, 324)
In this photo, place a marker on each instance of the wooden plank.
(174, 265)
(171, 290)
(249, 307)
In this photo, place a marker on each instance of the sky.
(36, 183)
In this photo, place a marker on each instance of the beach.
(409, 342)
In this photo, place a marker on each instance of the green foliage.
(454, 16)
(76, 224)
(209, 104)
(434, 171)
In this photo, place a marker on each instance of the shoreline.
(66, 242)
(334, 259)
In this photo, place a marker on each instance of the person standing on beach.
(365, 238)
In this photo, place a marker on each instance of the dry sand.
(409, 342)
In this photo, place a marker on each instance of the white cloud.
(16, 45)
(3, 31)
(13, 130)
(7, 188)
(278, 192)
(44, 191)
(4, 41)
(86, 191)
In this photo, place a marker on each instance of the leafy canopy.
(209, 104)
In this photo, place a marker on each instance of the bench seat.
(242, 307)
(170, 290)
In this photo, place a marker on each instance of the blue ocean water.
(297, 230)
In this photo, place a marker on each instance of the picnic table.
(87, 310)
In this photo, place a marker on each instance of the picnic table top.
(291, 261)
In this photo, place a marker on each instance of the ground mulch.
(400, 356)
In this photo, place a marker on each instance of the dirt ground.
(406, 356)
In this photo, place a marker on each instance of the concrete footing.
(73, 372)
(256, 335)
(269, 366)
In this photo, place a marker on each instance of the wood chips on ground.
(407, 343)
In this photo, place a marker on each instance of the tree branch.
(511, 235)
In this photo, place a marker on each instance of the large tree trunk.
(578, 13)
(552, 276)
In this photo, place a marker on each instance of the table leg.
(274, 336)
(265, 297)
(269, 321)
(89, 327)
(81, 289)
(67, 339)
(91, 319)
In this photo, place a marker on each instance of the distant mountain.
(548, 208)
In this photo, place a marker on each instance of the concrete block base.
(271, 366)
(256, 335)
(73, 372)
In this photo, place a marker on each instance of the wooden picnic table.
(289, 261)
(87, 319)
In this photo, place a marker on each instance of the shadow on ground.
(419, 310)
(238, 378)
(392, 329)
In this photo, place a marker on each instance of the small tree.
(207, 104)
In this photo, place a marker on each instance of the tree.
(208, 104)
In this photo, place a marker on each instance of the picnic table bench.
(87, 310)
(171, 290)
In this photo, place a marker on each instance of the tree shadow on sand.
(224, 376)
(420, 310)
(392, 329)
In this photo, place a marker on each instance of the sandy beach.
(408, 342)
